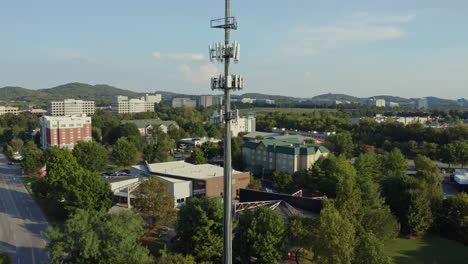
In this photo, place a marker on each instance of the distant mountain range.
(100, 93)
(103, 94)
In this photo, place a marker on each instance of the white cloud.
(200, 73)
(360, 28)
(179, 56)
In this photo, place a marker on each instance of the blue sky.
(298, 47)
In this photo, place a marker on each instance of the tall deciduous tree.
(420, 217)
(123, 130)
(197, 157)
(370, 250)
(124, 152)
(335, 237)
(453, 220)
(16, 144)
(91, 155)
(32, 157)
(342, 144)
(394, 163)
(262, 235)
(282, 181)
(95, 237)
(210, 149)
(368, 165)
(430, 183)
(154, 202)
(348, 197)
(200, 228)
(68, 186)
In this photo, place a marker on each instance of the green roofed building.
(286, 154)
(145, 125)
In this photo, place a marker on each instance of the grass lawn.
(429, 250)
(256, 110)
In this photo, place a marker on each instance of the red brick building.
(207, 180)
(64, 131)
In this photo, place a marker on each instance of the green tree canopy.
(200, 228)
(124, 152)
(91, 155)
(16, 144)
(370, 250)
(453, 220)
(419, 214)
(368, 165)
(394, 163)
(32, 157)
(282, 181)
(96, 237)
(154, 202)
(123, 130)
(68, 186)
(342, 144)
(261, 234)
(197, 157)
(211, 149)
(429, 174)
(335, 237)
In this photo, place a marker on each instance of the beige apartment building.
(8, 110)
(122, 105)
(71, 107)
(288, 155)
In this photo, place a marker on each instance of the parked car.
(10, 163)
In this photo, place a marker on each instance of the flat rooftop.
(188, 170)
(112, 179)
(172, 180)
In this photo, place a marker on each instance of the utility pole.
(223, 53)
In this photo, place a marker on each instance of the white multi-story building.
(422, 103)
(248, 100)
(209, 100)
(380, 102)
(64, 131)
(266, 101)
(122, 105)
(376, 102)
(238, 123)
(71, 107)
(8, 110)
(187, 102)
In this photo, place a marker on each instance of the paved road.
(21, 220)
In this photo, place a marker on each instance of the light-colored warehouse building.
(287, 154)
(188, 180)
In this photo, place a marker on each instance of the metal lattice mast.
(223, 53)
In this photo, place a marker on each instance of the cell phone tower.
(223, 53)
